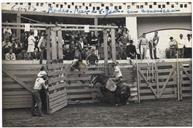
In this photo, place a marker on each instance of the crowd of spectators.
(88, 46)
(76, 44)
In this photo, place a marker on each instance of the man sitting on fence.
(40, 83)
(92, 58)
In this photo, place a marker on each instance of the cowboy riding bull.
(113, 90)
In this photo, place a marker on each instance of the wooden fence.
(18, 80)
(165, 80)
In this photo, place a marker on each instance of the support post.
(138, 88)
(105, 51)
(113, 45)
(96, 23)
(18, 19)
(181, 79)
(54, 44)
(60, 50)
(48, 30)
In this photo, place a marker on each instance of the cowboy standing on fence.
(40, 83)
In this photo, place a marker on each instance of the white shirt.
(143, 41)
(9, 56)
(31, 40)
(117, 72)
(181, 42)
(188, 44)
(40, 41)
(39, 83)
(8, 30)
(173, 42)
(82, 44)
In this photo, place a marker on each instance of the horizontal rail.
(61, 25)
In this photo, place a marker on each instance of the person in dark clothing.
(188, 47)
(153, 46)
(36, 54)
(92, 59)
(22, 55)
(131, 50)
(93, 41)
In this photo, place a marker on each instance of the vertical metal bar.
(105, 51)
(113, 45)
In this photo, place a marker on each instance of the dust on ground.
(147, 113)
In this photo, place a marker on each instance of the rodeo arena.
(96, 64)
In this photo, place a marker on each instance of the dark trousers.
(188, 52)
(173, 52)
(37, 106)
(153, 52)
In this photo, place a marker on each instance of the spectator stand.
(59, 76)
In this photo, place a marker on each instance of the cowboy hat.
(42, 73)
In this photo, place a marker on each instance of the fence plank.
(54, 44)
(21, 83)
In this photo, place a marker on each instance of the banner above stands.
(97, 9)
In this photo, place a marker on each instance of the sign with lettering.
(27, 27)
(86, 28)
(46, 8)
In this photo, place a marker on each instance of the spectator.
(81, 42)
(17, 46)
(131, 50)
(68, 55)
(92, 59)
(22, 55)
(188, 47)
(10, 55)
(143, 43)
(42, 46)
(173, 47)
(181, 42)
(6, 45)
(31, 44)
(93, 41)
(36, 54)
(153, 46)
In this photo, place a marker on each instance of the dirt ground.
(148, 113)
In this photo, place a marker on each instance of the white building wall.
(147, 24)
(131, 25)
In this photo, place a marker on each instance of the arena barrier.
(18, 80)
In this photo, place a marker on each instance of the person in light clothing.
(31, 44)
(173, 47)
(153, 45)
(10, 55)
(143, 45)
(117, 77)
(40, 83)
(181, 41)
